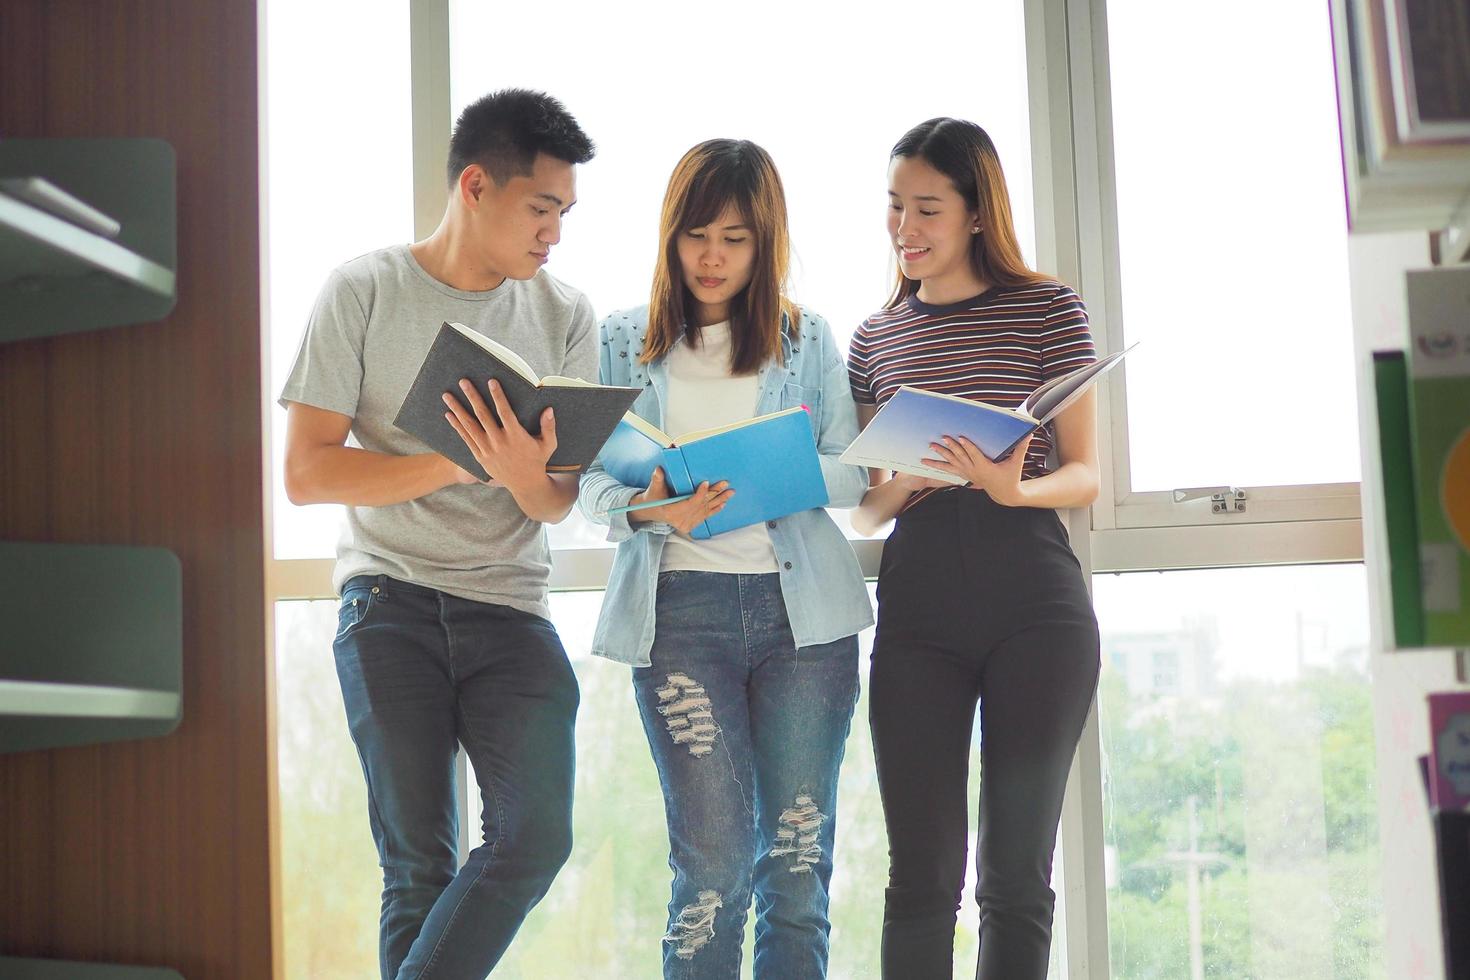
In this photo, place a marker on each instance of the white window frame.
(1077, 239)
(1076, 229)
(1079, 41)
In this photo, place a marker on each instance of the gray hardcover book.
(586, 414)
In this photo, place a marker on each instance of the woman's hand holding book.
(684, 515)
(963, 458)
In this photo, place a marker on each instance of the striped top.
(997, 347)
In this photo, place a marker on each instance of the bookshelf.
(91, 650)
(1402, 676)
(156, 852)
(16, 968)
(58, 277)
(1402, 174)
(92, 647)
(47, 699)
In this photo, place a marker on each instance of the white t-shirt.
(704, 395)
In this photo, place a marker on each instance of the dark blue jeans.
(423, 672)
(747, 732)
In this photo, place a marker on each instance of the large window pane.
(693, 72)
(660, 92)
(1238, 741)
(339, 165)
(1232, 243)
(330, 880)
(620, 866)
(606, 911)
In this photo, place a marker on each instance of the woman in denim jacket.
(743, 646)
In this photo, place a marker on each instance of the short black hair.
(504, 131)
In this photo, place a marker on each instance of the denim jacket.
(821, 581)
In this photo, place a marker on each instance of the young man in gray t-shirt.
(443, 635)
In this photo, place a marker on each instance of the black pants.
(976, 603)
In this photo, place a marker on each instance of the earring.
(975, 230)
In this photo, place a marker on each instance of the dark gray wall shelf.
(56, 277)
(91, 646)
(13, 968)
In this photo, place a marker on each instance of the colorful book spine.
(1439, 381)
(1449, 751)
(1391, 384)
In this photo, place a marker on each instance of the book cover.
(585, 413)
(1439, 405)
(898, 437)
(770, 461)
(1449, 750)
(1391, 384)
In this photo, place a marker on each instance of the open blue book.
(900, 434)
(770, 461)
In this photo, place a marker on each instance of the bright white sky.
(1233, 244)
(1232, 238)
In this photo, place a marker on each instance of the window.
(1231, 264)
(330, 933)
(338, 183)
(1240, 818)
(1207, 732)
(650, 97)
(1166, 670)
(606, 911)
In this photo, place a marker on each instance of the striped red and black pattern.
(997, 347)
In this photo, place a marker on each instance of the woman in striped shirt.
(980, 599)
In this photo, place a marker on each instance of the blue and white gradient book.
(770, 461)
(900, 434)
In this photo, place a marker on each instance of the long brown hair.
(964, 153)
(712, 175)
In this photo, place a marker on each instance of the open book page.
(557, 381)
(650, 430)
(518, 364)
(699, 434)
(1048, 401)
(905, 466)
(501, 352)
(664, 439)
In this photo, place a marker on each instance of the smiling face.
(513, 226)
(931, 229)
(716, 262)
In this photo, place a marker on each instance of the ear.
(472, 180)
(976, 227)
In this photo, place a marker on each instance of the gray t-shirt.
(372, 325)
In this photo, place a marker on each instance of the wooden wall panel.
(155, 851)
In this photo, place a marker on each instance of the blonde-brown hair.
(711, 176)
(964, 153)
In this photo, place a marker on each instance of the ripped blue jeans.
(747, 732)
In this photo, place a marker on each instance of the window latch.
(1223, 500)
